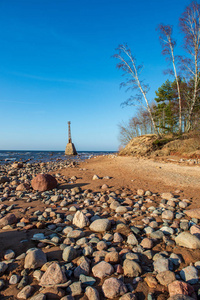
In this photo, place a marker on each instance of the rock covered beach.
(95, 231)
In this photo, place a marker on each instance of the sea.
(7, 157)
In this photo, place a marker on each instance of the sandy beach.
(138, 197)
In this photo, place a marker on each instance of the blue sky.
(56, 66)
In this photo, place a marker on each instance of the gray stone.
(69, 253)
(75, 234)
(100, 225)
(75, 288)
(87, 280)
(161, 265)
(157, 235)
(35, 259)
(189, 274)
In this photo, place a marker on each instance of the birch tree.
(132, 72)
(168, 44)
(190, 26)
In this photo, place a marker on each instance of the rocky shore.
(62, 239)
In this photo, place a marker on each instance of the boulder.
(43, 182)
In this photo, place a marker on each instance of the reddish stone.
(9, 219)
(119, 269)
(29, 226)
(44, 182)
(180, 287)
(113, 287)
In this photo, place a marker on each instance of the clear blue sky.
(56, 66)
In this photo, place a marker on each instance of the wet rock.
(53, 275)
(186, 239)
(102, 269)
(35, 259)
(43, 182)
(113, 288)
(100, 225)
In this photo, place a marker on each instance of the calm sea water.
(43, 156)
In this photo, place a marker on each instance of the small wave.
(4, 154)
(10, 159)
